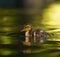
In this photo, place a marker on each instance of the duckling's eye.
(25, 27)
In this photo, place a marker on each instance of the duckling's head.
(28, 27)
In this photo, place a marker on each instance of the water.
(10, 45)
(15, 48)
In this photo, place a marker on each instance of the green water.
(12, 22)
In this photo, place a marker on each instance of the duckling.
(27, 30)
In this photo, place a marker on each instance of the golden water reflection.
(51, 18)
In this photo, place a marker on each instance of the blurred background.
(14, 14)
